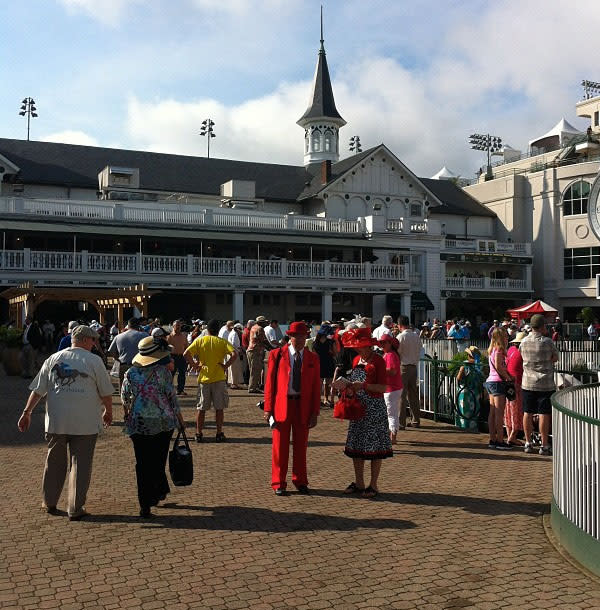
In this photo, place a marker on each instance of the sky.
(419, 76)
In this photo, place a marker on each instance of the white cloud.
(108, 12)
(70, 137)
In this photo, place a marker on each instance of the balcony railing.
(143, 264)
(487, 246)
(485, 283)
(177, 214)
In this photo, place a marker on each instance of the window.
(596, 118)
(416, 210)
(575, 199)
(581, 263)
(327, 143)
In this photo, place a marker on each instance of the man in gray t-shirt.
(78, 393)
(125, 346)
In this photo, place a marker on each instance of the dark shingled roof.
(78, 166)
(337, 169)
(322, 104)
(455, 199)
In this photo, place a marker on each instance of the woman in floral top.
(151, 414)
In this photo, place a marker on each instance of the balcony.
(133, 212)
(87, 268)
(487, 246)
(485, 283)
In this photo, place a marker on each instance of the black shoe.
(146, 513)
(220, 437)
(199, 437)
(51, 510)
(304, 490)
(281, 492)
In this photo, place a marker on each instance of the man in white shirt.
(274, 334)
(78, 394)
(384, 329)
(226, 329)
(409, 351)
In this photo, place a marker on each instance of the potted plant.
(12, 340)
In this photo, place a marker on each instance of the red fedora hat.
(358, 337)
(298, 328)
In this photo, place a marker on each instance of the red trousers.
(281, 451)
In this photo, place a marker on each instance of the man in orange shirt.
(293, 398)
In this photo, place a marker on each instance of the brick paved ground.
(456, 526)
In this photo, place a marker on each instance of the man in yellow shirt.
(210, 357)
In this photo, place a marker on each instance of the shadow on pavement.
(478, 506)
(490, 454)
(243, 518)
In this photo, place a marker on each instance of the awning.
(419, 300)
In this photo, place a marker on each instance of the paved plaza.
(456, 526)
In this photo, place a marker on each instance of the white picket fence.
(576, 461)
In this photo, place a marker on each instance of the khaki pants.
(78, 463)
(410, 394)
(255, 364)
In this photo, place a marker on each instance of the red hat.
(298, 328)
(358, 337)
(389, 339)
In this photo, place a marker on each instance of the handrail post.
(435, 386)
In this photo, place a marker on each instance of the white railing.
(111, 263)
(177, 214)
(164, 264)
(486, 246)
(485, 283)
(138, 264)
(576, 468)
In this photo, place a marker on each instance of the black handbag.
(181, 465)
(511, 390)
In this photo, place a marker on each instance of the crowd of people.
(298, 372)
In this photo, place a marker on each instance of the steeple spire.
(321, 119)
(322, 50)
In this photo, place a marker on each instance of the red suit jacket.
(310, 389)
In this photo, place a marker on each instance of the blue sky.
(419, 76)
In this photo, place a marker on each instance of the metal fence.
(576, 504)
(572, 355)
(439, 388)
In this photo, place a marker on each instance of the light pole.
(488, 143)
(28, 108)
(355, 144)
(207, 130)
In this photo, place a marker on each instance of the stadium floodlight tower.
(590, 89)
(488, 143)
(208, 131)
(355, 144)
(28, 109)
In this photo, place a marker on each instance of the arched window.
(316, 141)
(416, 210)
(327, 143)
(575, 199)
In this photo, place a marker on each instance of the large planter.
(11, 360)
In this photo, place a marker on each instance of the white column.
(379, 307)
(326, 305)
(442, 315)
(238, 305)
(406, 309)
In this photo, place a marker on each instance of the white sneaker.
(546, 450)
(528, 448)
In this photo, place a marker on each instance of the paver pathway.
(456, 526)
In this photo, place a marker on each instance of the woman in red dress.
(513, 415)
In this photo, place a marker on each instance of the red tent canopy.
(526, 311)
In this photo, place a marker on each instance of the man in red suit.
(293, 398)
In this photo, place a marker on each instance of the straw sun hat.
(151, 350)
